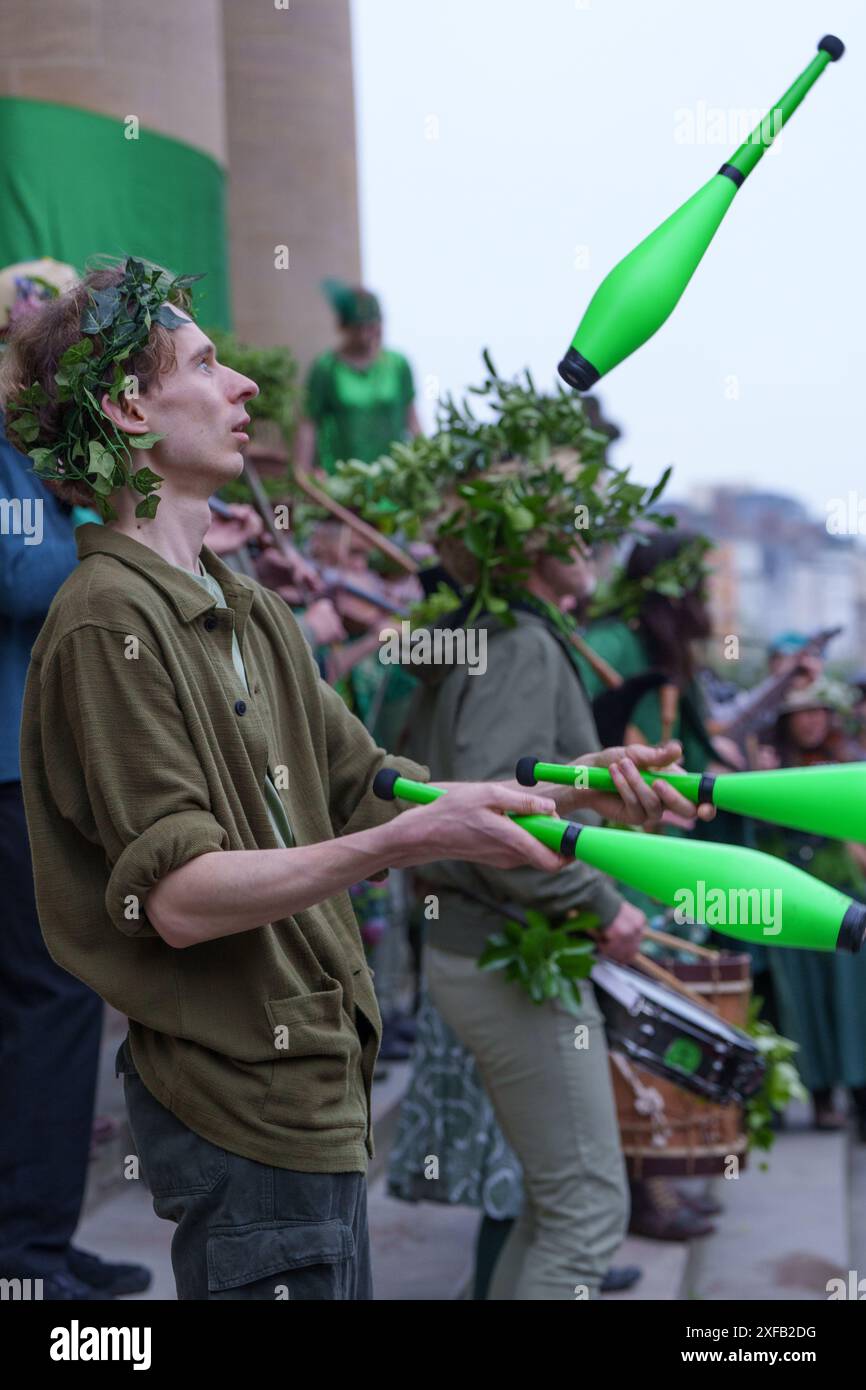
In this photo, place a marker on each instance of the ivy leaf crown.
(90, 449)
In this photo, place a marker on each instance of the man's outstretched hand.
(635, 802)
(472, 822)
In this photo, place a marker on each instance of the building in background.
(777, 569)
(212, 135)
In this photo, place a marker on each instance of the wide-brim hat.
(825, 693)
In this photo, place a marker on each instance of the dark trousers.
(50, 1029)
(246, 1230)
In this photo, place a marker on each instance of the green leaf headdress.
(89, 448)
(351, 305)
(683, 572)
(492, 493)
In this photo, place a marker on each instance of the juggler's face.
(200, 409)
(573, 578)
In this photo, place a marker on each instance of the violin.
(363, 599)
(361, 596)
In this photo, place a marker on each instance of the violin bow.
(372, 538)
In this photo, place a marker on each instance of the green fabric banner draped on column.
(72, 185)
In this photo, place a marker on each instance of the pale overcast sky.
(512, 151)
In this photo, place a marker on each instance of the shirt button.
(240, 707)
(210, 624)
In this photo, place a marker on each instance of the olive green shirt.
(276, 810)
(141, 749)
(529, 701)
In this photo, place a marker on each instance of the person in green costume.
(658, 615)
(500, 499)
(359, 396)
(821, 997)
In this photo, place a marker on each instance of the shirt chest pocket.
(316, 1075)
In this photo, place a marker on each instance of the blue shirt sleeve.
(37, 539)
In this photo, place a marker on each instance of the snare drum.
(676, 1039)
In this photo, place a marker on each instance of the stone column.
(292, 174)
(161, 61)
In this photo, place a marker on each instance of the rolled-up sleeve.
(121, 766)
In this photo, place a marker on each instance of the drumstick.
(653, 968)
(602, 668)
(694, 876)
(368, 533)
(828, 800)
(638, 295)
(333, 578)
(663, 938)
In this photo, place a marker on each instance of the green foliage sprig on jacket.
(547, 962)
(492, 491)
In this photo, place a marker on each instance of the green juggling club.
(642, 290)
(742, 893)
(827, 800)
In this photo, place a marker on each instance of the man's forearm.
(230, 891)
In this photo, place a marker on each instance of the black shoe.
(66, 1287)
(618, 1280)
(109, 1280)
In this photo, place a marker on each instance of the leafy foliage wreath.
(90, 449)
(530, 475)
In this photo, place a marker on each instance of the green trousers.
(547, 1075)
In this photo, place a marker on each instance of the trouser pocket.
(175, 1162)
(281, 1261)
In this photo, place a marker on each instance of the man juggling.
(199, 801)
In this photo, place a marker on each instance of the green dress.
(358, 412)
(821, 996)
